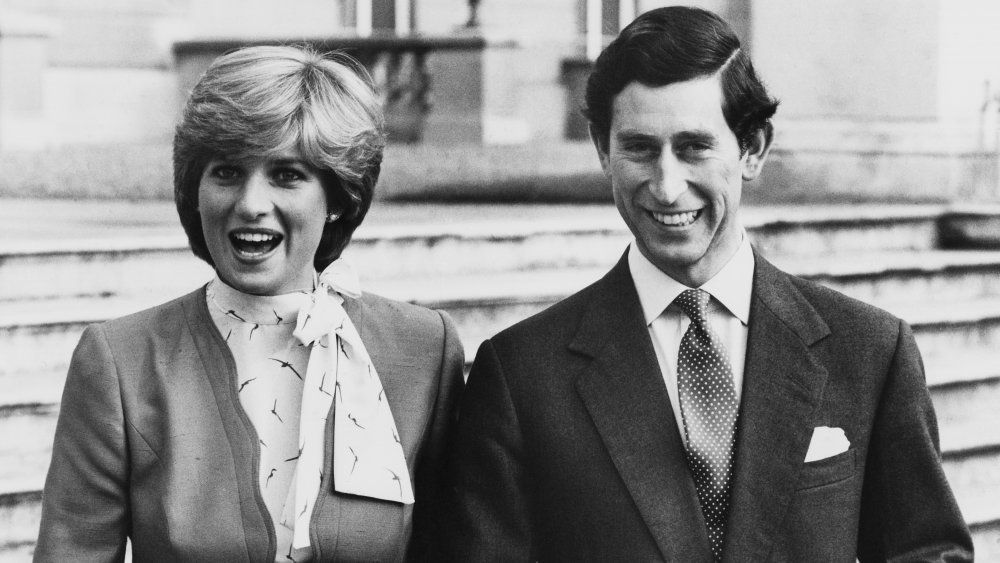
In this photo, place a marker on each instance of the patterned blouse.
(271, 368)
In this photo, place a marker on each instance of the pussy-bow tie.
(368, 457)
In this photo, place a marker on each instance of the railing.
(431, 87)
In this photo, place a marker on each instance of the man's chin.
(675, 258)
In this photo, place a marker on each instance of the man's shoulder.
(557, 323)
(837, 308)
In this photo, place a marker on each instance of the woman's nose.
(255, 197)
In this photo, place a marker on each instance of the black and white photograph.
(710, 281)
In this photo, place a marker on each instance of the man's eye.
(641, 150)
(693, 150)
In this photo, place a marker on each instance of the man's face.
(677, 172)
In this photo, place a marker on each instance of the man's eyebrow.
(698, 135)
(633, 135)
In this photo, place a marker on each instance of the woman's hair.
(261, 102)
(677, 44)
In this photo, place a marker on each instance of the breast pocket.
(828, 471)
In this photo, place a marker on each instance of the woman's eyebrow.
(281, 161)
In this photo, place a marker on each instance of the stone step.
(902, 276)
(412, 242)
(986, 536)
(40, 335)
(20, 515)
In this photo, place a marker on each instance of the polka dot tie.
(708, 407)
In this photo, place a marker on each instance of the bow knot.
(341, 277)
(322, 312)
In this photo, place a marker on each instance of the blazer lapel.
(393, 366)
(624, 392)
(219, 367)
(383, 357)
(782, 385)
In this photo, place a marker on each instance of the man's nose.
(670, 180)
(255, 197)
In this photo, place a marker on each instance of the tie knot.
(694, 303)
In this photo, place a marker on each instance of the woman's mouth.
(676, 219)
(254, 243)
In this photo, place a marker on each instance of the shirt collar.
(731, 286)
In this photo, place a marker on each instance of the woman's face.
(262, 219)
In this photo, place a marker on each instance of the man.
(696, 404)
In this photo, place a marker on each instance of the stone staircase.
(491, 266)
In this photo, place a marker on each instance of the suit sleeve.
(908, 511)
(488, 509)
(85, 513)
(427, 510)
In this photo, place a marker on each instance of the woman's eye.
(225, 172)
(288, 175)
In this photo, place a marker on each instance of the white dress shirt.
(728, 312)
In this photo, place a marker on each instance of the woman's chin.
(265, 277)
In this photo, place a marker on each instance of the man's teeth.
(676, 219)
(254, 237)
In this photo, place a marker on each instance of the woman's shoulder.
(400, 311)
(400, 321)
(163, 317)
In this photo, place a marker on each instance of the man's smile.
(682, 219)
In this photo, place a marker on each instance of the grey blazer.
(152, 443)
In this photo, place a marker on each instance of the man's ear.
(760, 147)
(601, 142)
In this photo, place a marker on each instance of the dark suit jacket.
(152, 443)
(567, 448)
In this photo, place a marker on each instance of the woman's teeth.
(253, 237)
(676, 219)
(255, 243)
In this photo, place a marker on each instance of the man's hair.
(676, 44)
(261, 102)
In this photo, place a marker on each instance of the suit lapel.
(782, 385)
(624, 392)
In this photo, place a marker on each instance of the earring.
(332, 216)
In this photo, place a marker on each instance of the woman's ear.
(756, 153)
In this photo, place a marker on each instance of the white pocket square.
(826, 442)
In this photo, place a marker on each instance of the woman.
(276, 414)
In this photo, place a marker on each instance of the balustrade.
(431, 87)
